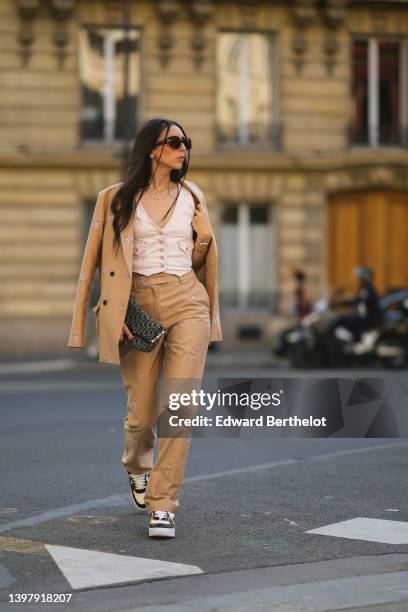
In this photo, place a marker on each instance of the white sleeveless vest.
(168, 248)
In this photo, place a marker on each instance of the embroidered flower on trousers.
(194, 353)
(167, 467)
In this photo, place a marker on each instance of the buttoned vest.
(168, 248)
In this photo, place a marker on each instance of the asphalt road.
(245, 508)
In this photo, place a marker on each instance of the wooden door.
(368, 228)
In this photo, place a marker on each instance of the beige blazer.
(115, 272)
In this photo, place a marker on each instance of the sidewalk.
(341, 584)
(369, 584)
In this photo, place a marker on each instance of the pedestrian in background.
(366, 312)
(301, 300)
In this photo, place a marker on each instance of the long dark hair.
(139, 174)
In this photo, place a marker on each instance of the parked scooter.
(318, 342)
(301, 343)
(392, 345)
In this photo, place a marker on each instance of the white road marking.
(90, 568)
(37, 366)
(383, 531)
(8, 388)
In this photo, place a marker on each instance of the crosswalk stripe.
(91, 568)
(384, 531)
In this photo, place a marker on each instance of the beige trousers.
(183, 306)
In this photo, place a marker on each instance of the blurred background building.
(298, 112)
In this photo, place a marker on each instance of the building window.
(105, 114)
(248, 264)
(379, 78)
(246, 92)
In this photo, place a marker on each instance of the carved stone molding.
(168, 11)
(330, 49)
(201, 12)
(60, 11)
(303, 13)
(367, 177)
(334, 12)
(28, 10)
(334, 16)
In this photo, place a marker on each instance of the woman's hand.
(201, 223)
(125, 330)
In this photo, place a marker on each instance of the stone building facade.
(298, 112)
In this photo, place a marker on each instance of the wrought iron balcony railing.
(378, 136)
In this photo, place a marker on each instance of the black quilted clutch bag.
(147, 331)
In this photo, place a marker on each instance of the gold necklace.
(160, 197)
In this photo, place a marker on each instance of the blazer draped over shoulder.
(115, 272)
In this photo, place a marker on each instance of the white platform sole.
(162, 532)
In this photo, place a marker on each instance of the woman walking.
(151, 239)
